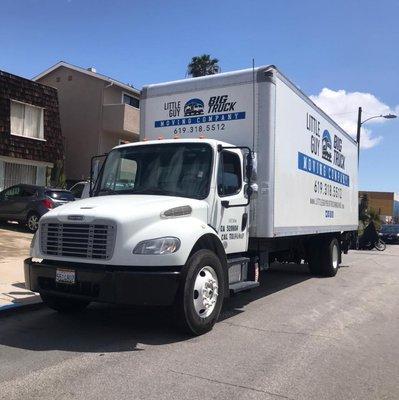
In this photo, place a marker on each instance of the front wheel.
(380, 245)
(201, 293)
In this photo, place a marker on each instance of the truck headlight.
(158, 246)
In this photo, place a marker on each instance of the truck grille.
(95, 241)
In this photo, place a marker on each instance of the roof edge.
(87, 72)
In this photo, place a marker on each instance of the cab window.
(229, 174)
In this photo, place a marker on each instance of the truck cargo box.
(307, 170)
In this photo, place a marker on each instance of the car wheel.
(63, 304)
(201, 293)
(32, 222)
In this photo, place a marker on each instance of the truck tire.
(63, 304)
(329, 257)
(200, 296)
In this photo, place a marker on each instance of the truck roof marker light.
(175, 212)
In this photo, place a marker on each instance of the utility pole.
(359, 127)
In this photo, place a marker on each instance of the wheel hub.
(205, 292)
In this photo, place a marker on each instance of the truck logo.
(75, 217)
(194, 107)
(326, 145)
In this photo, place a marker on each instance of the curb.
(17, 307)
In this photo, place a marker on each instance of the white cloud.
(342, 106)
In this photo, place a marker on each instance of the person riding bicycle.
(369, 237)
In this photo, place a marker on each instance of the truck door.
(232, 213)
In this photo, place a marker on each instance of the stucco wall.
(81, 97)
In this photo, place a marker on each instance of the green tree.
(363, 205)
(203, 65)
(57, 179)
(375, 217)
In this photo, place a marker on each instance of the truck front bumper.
(104, 283)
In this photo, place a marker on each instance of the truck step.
(241, 286)
(238, 260)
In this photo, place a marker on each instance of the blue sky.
(339, 45)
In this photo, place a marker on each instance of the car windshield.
(390, 229)
(170, 169)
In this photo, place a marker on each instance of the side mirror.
(96, 165)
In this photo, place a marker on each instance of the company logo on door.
(219, 109)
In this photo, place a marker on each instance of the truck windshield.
(175, 169)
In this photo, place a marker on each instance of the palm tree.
(203, 65)
(374, 216)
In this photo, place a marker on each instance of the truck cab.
(167, 221)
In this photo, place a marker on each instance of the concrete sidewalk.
(14, 248)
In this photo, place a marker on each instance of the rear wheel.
(63, 304)
(201, 293)
(325, 257)
(32, 222)
(380, 245)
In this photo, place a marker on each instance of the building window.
(132, 101)
(26, 120)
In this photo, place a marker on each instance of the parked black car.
(389, 233)
(27, 203)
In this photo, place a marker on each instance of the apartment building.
(30, 132)
(381, 202)
(96, 111)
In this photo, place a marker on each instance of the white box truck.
(233, 171)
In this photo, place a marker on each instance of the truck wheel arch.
(212, 242)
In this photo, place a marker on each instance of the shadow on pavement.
(107, 328)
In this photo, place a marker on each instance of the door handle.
(244, 221)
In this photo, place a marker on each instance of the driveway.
(14, 248)
(294, 337)
(14, 241)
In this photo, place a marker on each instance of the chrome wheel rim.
(33, 222)
(205, 292)
(335, 256)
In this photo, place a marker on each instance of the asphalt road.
(295, 337)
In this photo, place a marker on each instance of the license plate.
(65, 276)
